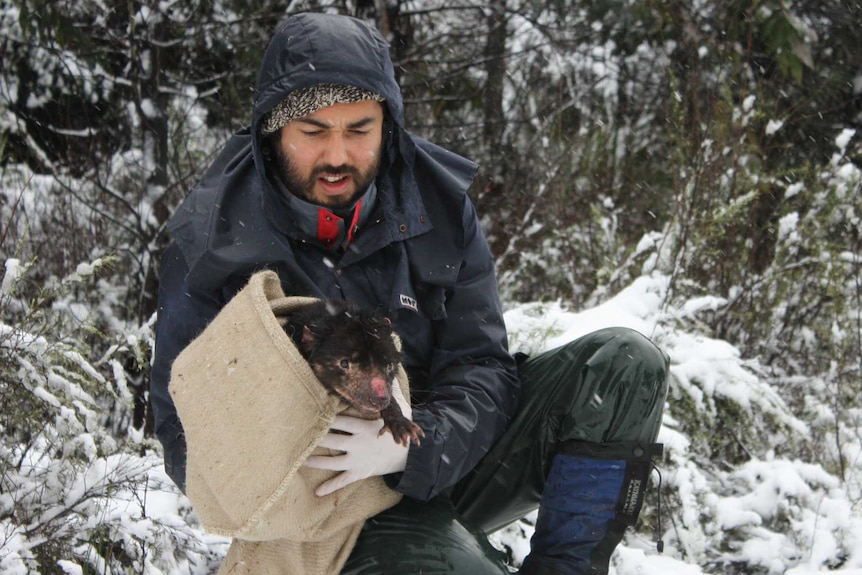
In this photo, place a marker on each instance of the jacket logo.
(409, 302)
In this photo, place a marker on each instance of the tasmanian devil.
(351, 351)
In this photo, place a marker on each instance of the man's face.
(330, 157)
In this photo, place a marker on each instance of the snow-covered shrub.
(75, 495)
(766, 434)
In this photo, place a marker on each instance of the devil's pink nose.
(378, 386)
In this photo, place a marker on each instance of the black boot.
(593, 492)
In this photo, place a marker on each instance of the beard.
(302, 186)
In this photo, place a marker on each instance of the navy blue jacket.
(421, 257)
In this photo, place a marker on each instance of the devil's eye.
(344, 364)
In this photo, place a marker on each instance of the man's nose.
(335, 153)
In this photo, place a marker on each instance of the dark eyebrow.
(361, 123)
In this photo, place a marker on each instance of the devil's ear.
(309, 339)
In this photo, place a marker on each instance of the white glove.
(366, 452)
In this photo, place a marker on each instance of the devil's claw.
(403, 431)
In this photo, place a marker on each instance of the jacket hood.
(309, 49)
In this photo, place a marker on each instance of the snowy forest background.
(689, 168)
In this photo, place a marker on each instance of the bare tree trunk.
(383, 18)
(495, 69)
(393, 25)
(152, 107)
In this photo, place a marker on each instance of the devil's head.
(351, 351)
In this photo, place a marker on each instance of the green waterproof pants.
(606, 387)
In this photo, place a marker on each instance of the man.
(328, 189)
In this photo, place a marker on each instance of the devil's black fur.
(352, 352)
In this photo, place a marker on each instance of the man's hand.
(366, 451)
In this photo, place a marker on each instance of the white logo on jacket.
(409, 302)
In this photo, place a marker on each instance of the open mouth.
(334, 184)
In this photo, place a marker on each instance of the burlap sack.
(253, 411)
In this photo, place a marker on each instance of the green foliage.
(786, 37)
(781, 248)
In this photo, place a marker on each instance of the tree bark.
(494, 122)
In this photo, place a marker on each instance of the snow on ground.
(642, 306)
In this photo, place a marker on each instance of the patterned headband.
(301, 103)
